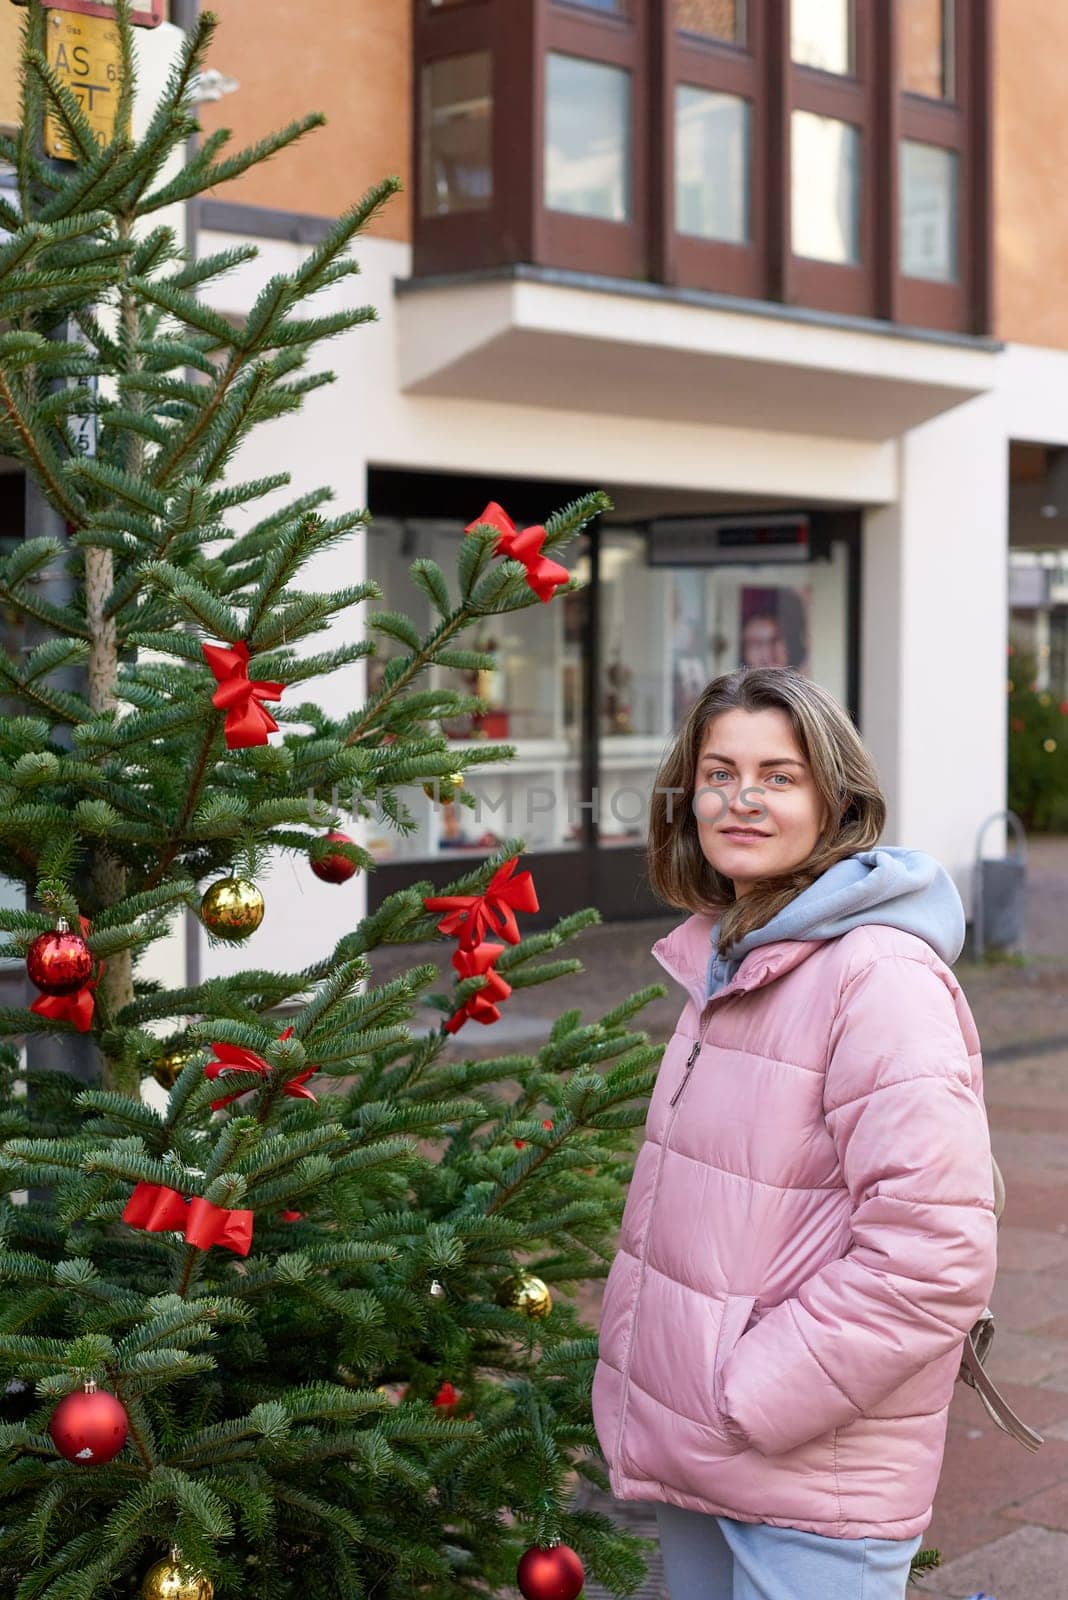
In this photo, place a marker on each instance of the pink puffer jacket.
(807, 1238)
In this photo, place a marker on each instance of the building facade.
(781, 277)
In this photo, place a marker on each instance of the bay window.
(834, 154)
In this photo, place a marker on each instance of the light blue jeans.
(716, 1558)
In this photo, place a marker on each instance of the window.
(457, 110)
(712, 142)
(617, 8)
(712, 19)
(929, 205)
(587, 143)
(821, 34)
(825, 188)
(927, 48)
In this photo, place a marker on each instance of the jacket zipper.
(690, 1059)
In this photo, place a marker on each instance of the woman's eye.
(719, 772)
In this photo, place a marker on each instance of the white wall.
(934, 631)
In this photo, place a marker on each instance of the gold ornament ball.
(1049, 745)
(172, 1579)
(167, 1069)
(529, 1295)
(446, 787)
(232, 908)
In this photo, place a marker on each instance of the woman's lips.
(744, 838)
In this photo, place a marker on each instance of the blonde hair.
(843, 771)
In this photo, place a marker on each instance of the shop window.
(712, 164)
(457, 122)
(666, 631)
(533, 701)
(825, 211)
(929, 206)
(587, 138)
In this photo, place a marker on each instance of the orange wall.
(348, 58)
(10, 41)
(1031, 172)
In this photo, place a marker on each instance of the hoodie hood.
(888, 884)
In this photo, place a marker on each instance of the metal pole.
(71, 1052)
(67, 1052)
(184, 14)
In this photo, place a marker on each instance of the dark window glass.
(927, 48)
(711, 164)
(930, 182)
(587, 138)
(457, 166)
(825, 213)
(712, 19)
(821, 34)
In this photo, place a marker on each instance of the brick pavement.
(1001, 1513)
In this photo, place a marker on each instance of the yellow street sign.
(84, 54)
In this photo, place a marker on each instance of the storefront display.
(661, 623)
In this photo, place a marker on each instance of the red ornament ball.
(552, 1573)
(446, 1398)
(335, 868)
(59, 962)
(89, 1427)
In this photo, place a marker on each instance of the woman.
(809, 1232)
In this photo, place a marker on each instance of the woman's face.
(751, 773)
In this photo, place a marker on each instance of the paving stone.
(1030, 1249)
(1022, 1300)
(1028, 1564)
(1036, 1205)
(1024, 1357)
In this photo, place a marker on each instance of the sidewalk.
(1001, 1515)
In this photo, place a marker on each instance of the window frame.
(722, 68)
(963, 126)
(566, 238)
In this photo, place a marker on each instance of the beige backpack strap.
(995, 1402)
(972, 1367)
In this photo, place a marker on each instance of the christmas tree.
(303, 1329)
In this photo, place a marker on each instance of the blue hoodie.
(888, 884)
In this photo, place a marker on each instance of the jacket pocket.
(734, 1322)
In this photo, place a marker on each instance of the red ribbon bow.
(482, 1005)
(162, 1210)
(248, 722)
(472, 916)
(543, 574)
(76, 1007)
(234, 1059)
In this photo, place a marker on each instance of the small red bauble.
(446, 1398)
(59, 962)
(89, 1426)
(552, 1573)
(335, 868)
